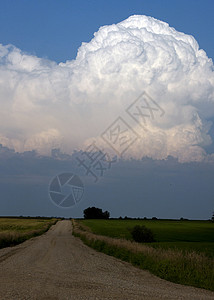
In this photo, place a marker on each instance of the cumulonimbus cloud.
(45, 105)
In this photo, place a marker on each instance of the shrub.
(142, 234)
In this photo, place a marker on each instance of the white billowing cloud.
(67, 105)
(44, 141)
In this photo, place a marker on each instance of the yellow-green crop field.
(16, 230)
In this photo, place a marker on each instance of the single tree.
(95, 213)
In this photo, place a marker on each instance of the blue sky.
(55, 29)
(37, 109)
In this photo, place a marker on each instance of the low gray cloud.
(135, 188)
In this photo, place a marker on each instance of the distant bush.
(142, 234)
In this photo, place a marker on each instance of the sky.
(73, 73)
(56, 29)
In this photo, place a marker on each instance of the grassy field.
(16, 230)
(183, 253)
(183, 235)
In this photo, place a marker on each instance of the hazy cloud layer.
(161, 188)
(45, 105)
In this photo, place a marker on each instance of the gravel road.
(57, 265)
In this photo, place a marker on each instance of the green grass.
(16, 230)
(183, 253)
(182, 235)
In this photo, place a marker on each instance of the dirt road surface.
(57, 265)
